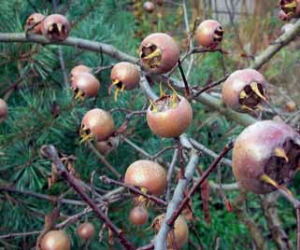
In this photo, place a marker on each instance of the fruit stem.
(186, 85)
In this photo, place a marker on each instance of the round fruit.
(85, 85)
(147, 175)
(138, 216)
(178, 236)
(209, 33)
(159, 53)
(125, 75)
(97, 124)
(265, 149)
(86, 231)
(3, 110)
(291, 8)
(56, 27)
(149, 6)
(34, 23)
(55, 240)
(80, 69)
(244, 90)
(169, 116)
(290, 106)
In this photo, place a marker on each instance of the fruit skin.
(209, 33)
(87, 83)
(99, 122)
(171, 122)
(179, 234)
(236, 82)
(149, 6)
(147, 174)
(56, 27)
(286, 14)
(138, 216)
(3, 110)
(126, 73)
(80, 69)
(252, 151)
(32, 21)
(55, 240)
(86, 231)
(168, 49)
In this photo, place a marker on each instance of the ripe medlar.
(80, 69)
(290, 9)
(85, 85)
(55, 240)
(159, 53)
(56, 27)
(34, 23)
(147, 175)
(138, 216)
(209, 33)
(266, 152)
(169, 116)
(96, 124)
(149, 6)
(244, 90)
(86, 231)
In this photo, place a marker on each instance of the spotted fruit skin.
(55, 240)
(236, 82)
(99, 122)
(147, 174)
(54, 34)
(127, 73)
(3, 110)
(87, 83)
(252, 151)
(34, 23)
(206, 33)
(169, 52)
(171, 122)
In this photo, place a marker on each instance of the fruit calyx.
(250, 97)
(289, 7)
(151, 56)
(164, 103)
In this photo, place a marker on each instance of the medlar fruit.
(85, 85)
(290, 9)
(3, 110)
(138, 216)
(266, 152)
(86, 231)
(55, 240)
(159, 53)
(244, 90)
(169, 116)
(209, 33)
(80, 69)
(34, 23)
(56, 27)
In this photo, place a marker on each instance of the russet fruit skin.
(55, 240)
(254, 155)
(138, 216)
(236, 83)
(80, 69)
(34, 23)
(56, 27)
(3, 110)
(179, 234)
(171, 122)
(99, 123)
(167, 49)
(209, 33)
(126, 74)
(86, 231)
(147, 174)
(87, 83)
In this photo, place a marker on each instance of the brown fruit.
(290, 106)
(269, 148)
(289, 8)
(138, 216)
(147, 175)
(169, 116)
(86, 231)
(34, 23)
(80, 69)
(85, 85)
(3, 110)
(149, 6)
(178, 236)
(209, 33)
(125, 75)
(56, 27)
(159, 53)
(244, 90)
(55, 240)
(97, 124)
